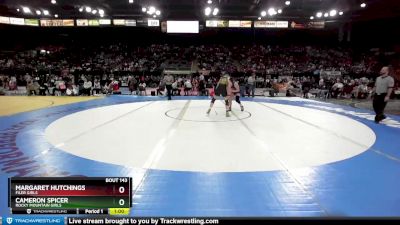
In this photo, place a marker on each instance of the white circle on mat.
(275, 137)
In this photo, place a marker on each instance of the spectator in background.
(51, 86)
(306, 87)
(361, 91)
(12, 85)
(321, 83)
(202, 88)
(62, 87)
(337, 88)
(121, 59)
(108, 88)
(87, 87)
(251, 81)
(32, 87)
(161, 88)
(2, 91)
(348, 88)
(242, 85)
(175, 89)
(115, 87)
(81, 82)
(96, 87)
(27, 78)
(187, 87)
(132, 85)
(43, 88)
(69, 91)
(142, 88)
(180, 82)
(201, 77)
(289, 89)
(195, 85)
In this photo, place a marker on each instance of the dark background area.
(364, 34)
(376, 25)
(194, 9)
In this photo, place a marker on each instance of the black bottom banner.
(212, 221)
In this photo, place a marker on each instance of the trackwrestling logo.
(30, 220)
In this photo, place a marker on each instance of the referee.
(169, 80)
(383, 89)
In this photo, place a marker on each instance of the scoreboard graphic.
(100, 195)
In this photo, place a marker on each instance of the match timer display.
(99, 195)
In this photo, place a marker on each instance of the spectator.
(161, 88)
(337, 88)
(175, 89)
(142, 88)
(96, 87)
(306, 87)
(187, 87)
(87, 87)
(132, 85)
(12, 85)
(115, 87)
(251, 85)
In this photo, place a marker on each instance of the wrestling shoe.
(241, 108)
(382, 117)
(227, 114)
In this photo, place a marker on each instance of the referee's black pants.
(169, 91)
(379, 105)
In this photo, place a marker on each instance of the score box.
(69, 186)
(70, 202)
(70, 193)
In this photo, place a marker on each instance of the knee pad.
(226, 102)
(213, 100)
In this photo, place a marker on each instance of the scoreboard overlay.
(76, 195)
